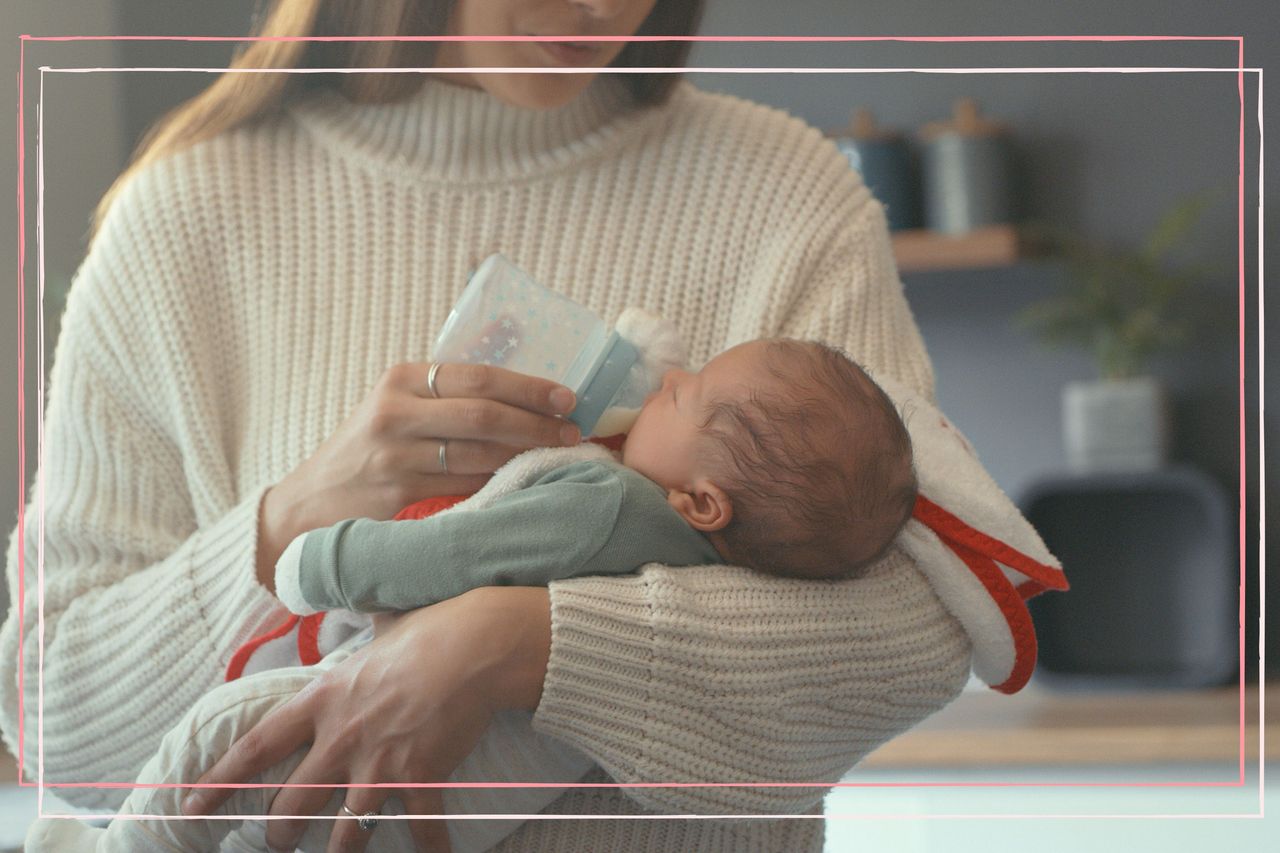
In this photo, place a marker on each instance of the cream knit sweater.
(246, 293)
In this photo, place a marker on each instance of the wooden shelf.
(1040, 727)
(919, 250)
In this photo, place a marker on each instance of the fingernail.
(563, 401)
(191, 804)
(570, 435)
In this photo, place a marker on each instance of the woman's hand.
(386, 454)
(408, 707)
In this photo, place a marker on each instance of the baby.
(779, 455)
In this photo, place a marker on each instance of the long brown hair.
(234, 99)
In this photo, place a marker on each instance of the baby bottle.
(505, 318)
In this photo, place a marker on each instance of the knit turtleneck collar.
(454, 134)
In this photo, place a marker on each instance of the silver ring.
(443, 457)
(431, 380)
(367, 821)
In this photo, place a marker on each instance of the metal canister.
(885, 162)
(967, 174)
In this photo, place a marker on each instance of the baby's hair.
(817, 463)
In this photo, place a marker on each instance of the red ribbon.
(980, 553)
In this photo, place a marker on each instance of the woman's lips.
(570, 52)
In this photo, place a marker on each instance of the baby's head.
(785, 453)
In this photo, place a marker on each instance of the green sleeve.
(583, 519)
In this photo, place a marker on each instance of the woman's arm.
(144, 595)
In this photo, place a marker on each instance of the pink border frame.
(1240, 70)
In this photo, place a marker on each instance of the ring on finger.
(444, 456)
(431, 380)
(367, 821)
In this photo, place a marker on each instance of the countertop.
(1040, 726)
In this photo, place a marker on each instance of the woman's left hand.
(408, 707)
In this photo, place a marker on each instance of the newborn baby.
(779, 455)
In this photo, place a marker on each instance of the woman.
(243, 359)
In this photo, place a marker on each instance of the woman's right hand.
(386, 454)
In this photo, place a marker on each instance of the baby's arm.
(576, 520)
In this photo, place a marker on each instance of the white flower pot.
(1115, 424)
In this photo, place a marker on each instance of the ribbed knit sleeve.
(717, 674)
(147, 587)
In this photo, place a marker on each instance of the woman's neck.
(454, 133)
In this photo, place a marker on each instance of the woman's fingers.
(272, 740)
(481, 381)
(348, 836)
(461, 456)
(292, 799)
(477, 401)
(429, 835)
(488, 421)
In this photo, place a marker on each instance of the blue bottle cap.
(604, 379)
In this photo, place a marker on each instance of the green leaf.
(1178, 222)
(1123, 305)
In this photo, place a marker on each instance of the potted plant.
(1123, 305)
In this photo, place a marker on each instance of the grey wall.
(1103, 154)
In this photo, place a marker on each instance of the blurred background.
(1095, 210)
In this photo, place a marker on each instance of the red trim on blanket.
(235, 668)
(953, 528)
(980, 553)
(1015, 613)
(428, 506)
(309, 639)
(1030, 589)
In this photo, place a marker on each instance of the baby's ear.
(705, 507)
